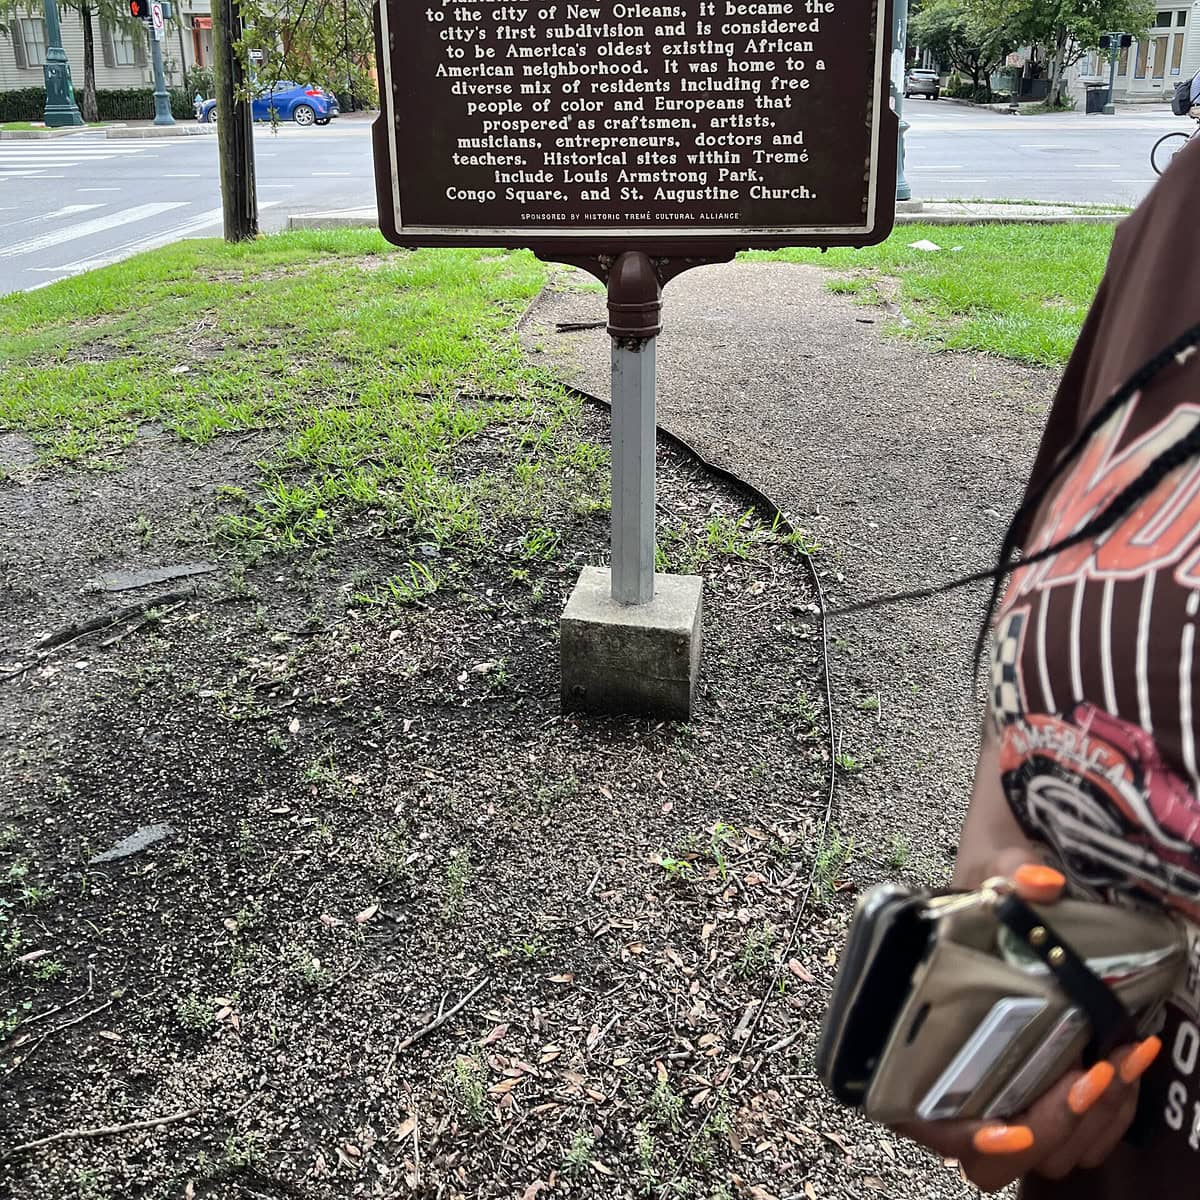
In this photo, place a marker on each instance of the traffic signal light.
(140, 9)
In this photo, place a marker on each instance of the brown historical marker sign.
(686, 127)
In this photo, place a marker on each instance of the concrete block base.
(637, 658)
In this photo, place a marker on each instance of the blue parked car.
(304, 103)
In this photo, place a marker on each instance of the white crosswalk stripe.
(71, 233)
(37, 218)
(24, 158)
(163, 237)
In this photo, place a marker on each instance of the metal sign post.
(634, 308)
(635, 141)
(1112, 44)
(162, 101)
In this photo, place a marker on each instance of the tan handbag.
(970, 1005)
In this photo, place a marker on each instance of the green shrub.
(24, 104)
(200, 79)
(112, 104)
(958, 88)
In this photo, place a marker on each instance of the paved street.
(960, 153)
(72, 203)
(82, 201)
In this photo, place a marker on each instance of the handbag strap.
(1112, 1024)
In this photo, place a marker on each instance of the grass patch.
(1019, 291)
(373, 362)
(41, 126)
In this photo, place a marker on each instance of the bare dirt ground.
(358, 816)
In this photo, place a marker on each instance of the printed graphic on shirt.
(1094, 788)
(1093, 672)
(1156, 535)
(1093, 676)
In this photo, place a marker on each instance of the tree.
(1069, 29)
(328, 42)
(106, 11)
(111, 13)
(962, 36)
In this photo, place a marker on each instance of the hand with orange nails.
(1077, 1123)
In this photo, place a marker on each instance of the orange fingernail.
(1039, 882)
(1003, 1139)
(1139, 1059)
(1086, 1091)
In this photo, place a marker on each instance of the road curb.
(160, 131)
(36, 135)
(937, 218)
(330, 221)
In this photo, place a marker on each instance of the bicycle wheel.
(1165, 149)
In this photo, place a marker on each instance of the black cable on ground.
(780, 520)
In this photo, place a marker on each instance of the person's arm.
(991, 840)
(1084, 1115)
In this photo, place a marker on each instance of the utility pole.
(351, 105)
(235, 127)
(61, 108)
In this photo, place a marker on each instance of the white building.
(121, 55)
(1154, 64)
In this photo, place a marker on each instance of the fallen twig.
(81, 629)
(20, 1062)
(102, 1131)
(344, 975)
(138, 626)
(601, 1035)
(416, 1137)
(442, 1017)
(61, 1007)
(75, 1020)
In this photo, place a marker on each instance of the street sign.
(256, 56)
(156, 19)
(683, 128)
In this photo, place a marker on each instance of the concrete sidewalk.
(928, 212)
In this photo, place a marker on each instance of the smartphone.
(887, 940)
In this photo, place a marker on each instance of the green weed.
(467, 1089)
(755, 955)
(48, 970)
(458, 875)
(579, 1154)
(305, 967)
(193, 1013)
(665, 1106)
(678, 870)
(832, 859)
(244, 1151)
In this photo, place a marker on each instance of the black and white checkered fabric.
(1006, 696)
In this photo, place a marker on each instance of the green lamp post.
(61, 108)
(899, 54)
